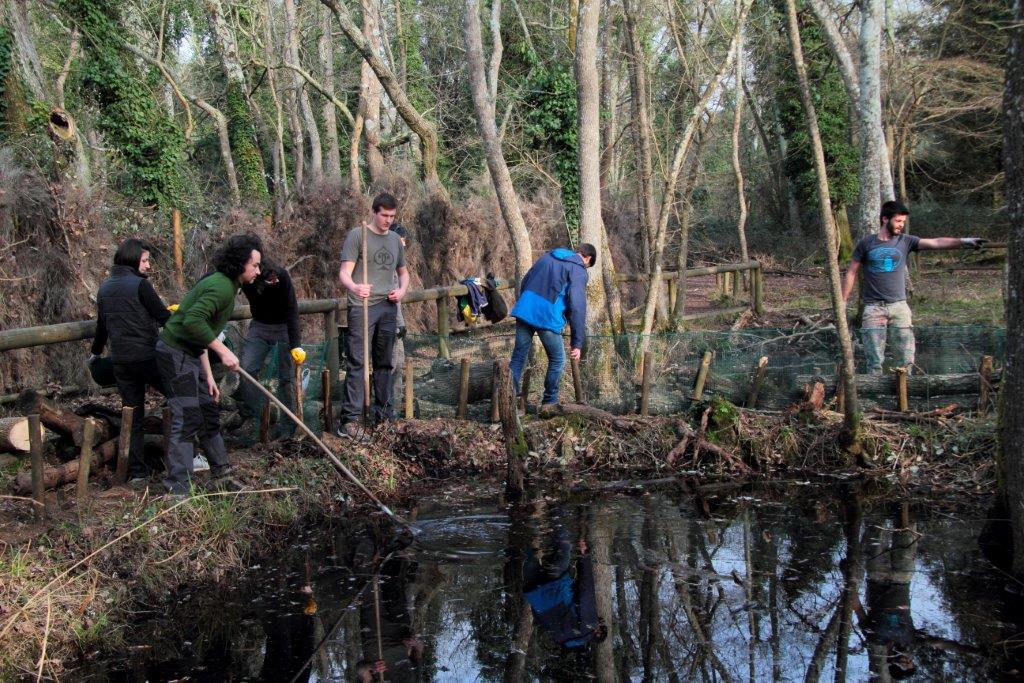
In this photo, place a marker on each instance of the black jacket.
(129, 314)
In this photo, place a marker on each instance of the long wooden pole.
(35, 441)
(179, 259)
(366, 335)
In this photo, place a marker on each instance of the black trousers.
(132, 380)
(382, 324)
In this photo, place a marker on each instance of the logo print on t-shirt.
(383, 258)
(884, 259)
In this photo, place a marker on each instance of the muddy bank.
(69, 586)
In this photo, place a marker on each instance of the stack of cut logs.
(15, 438)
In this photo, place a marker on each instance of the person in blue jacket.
(553, 290)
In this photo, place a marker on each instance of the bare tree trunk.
(280, 162)
(369, 97)
(426, 130)
(249, 165)
(737, 168)
(325, 47)
(869, 108)
(484, 106)
(668, 194)
(1011, 419)
(684, 221)
(291, 56)
(851, 422)
(601, 531)
(641, 129)
(609, 105)
(589, 150)
(25, 46)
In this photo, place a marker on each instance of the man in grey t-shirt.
(885, 284)
(385, 257)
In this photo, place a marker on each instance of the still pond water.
(771, 583)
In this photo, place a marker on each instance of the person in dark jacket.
(274, 330)
(553, 290)
(129, 315)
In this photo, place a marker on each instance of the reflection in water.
(775, 585)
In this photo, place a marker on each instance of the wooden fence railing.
(85, 329)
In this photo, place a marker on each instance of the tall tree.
(851, 416)
(641, 130)
(588, 87)
(484, 105)
(248, 161)
(369, 95)
(1011, 418)
(737, 122)
(291, 52)
(325, 50)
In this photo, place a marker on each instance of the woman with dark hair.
(129, 314)
(274, 329)
(181, 355)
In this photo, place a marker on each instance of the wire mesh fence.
(610, 378)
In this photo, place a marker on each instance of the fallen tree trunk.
(14, 434)
(554, 409)
(68, 472)
(441, 384)
(61, 420)
(917, 385)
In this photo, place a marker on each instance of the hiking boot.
(200, 464)
(353, 431)
(222, 471)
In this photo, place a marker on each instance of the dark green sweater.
(202, 314)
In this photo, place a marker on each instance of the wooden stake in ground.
(179, 260)
(645, 384)
(755, 384)
(985, 383)
(85, 461)
(463, 389)
(124, 445)
(409, 404)
(702, 376)
(325, 393)
(577, 381)
(265, 423)
(36, 449)
(902, 401)
(515, 441)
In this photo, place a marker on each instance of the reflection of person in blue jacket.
(553, 290)
(561, 592)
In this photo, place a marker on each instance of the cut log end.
(14, 434)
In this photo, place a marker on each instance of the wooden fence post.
(85, 460)
(460, 413)
(577, 381)
(840, 390)
(902, 402)
(985, 383)
(331, 341)
(515, 441)
(327, 422)
(442, 327)
(495, 386)
(299, 411)
(179, 258)
(265, 423)
(673, 288)
(124, 445)
(35, 447)
(702, 376)
(755, 385)
(645, 384)
(759, 290)
(409, 405)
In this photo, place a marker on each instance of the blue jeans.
(555, 350)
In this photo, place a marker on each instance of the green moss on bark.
(252, 181)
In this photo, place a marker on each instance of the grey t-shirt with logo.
(384, 255)
(885, 267)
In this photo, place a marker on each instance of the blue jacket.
(554, 290)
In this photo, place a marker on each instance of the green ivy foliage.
(252, 182)
(551, 123)
(6, 61)
(833, 109)
(152, 146)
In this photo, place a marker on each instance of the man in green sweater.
(183, 360)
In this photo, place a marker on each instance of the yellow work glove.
(173, 308)
(299, 355)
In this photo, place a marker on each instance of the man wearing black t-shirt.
(885, 284)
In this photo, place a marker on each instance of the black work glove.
(973, 242)
(400, 334)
